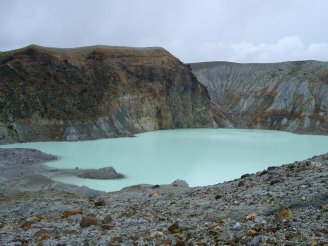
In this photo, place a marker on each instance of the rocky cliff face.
(291, 96)
(96, 92)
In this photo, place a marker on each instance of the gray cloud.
(289, 48)
(193, 30)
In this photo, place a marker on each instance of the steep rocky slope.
(95, 92)
(290, 96)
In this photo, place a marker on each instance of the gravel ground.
(285, 205)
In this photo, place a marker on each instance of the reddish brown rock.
(284, 214)
(107, 226)
(166, 242)
(69, 213)
(174, 228)
(100, 203)
(251, 216)
(251, 233)
(42, 234)
(274, 181)
(27, 223)
(89, 220)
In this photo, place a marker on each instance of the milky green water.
(199, 156)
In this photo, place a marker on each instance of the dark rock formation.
(96, 92)
(101, 173)
(291, 96)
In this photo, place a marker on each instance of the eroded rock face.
(290, 96)
(96, 92)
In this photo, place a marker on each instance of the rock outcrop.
(96, 92)
(291, 96)
(18, 163)
(101, 173)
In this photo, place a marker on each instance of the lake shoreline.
(27, 170)
(24, 170)
(199, 156)
(279, 205)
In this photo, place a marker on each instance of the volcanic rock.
(101, 173)
(88, 220)
(96, 92)
(290, 96)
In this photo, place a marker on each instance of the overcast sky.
(192, 30)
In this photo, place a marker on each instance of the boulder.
(88, 220)
(180, 183)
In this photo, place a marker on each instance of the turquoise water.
(199, 156)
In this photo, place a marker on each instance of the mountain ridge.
(291, 96)
(107, 91)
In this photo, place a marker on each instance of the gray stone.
(180, 183)
(101, 173)
(237, 226)
(108, 219)
(255, 241)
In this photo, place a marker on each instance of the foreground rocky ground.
(285, 205)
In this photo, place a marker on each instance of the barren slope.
(290, 96)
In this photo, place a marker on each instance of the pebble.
(255, 241)
(274, 181)
(201, 242)
(89, 220)
(245, 175)
(5, 229)
(153, 194)
(251, 233)
(27, 223)
(166, 242)
(106, 226)
(108, 219)
(241, 183)
(237, 226)
(174, 228)
(218, 196)
(324, 208)
(180, 243)
(100, 203)
(251, 217)
(157, 234)
(284, 214)
(314, 243)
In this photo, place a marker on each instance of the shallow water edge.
(199, 156)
